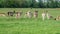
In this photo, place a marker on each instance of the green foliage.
(29, 4)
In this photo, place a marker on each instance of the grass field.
(11, 25)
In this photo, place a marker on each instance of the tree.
(41, 5)
(29, 4)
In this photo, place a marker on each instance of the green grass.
(29, 26)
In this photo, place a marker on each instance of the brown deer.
(29, 14)
(35, 14)
(18, 14)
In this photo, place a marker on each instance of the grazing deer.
(43, 15)
(35, 14)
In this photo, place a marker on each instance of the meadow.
(23, 25)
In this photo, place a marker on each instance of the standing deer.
(10, 13)
(29, 14)
(18, 14)
(43, 15)
(35, 14)
(48, 15)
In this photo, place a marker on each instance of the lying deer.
(2, 14)
(57, 18)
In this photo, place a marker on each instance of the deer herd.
(29, 14)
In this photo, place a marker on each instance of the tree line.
(29, 4)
